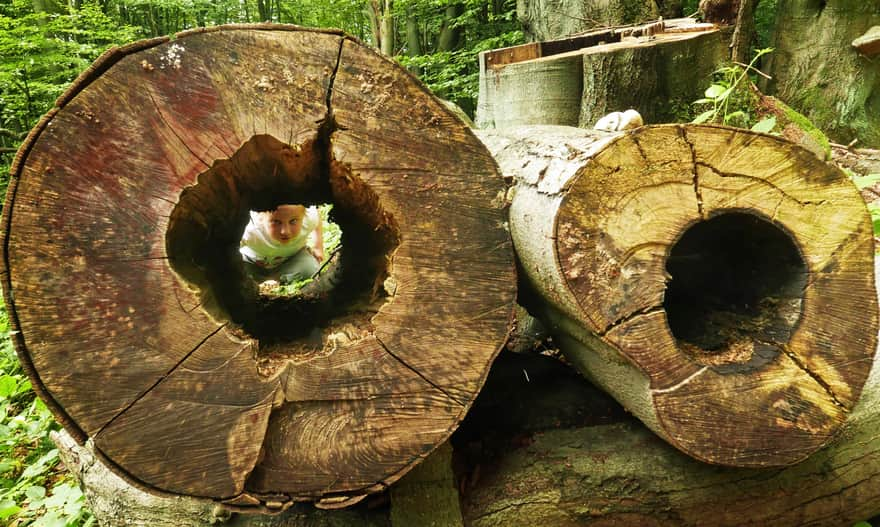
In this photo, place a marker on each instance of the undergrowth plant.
(34, 489)
(731, 99)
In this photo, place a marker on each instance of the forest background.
(45, 44)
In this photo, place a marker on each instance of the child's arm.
(318, 247)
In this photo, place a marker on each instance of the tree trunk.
(413, 38)
(386, 29)
(450, 35)
(553, 19)
(543, 447)
(743, 41)
(818, 72)
(121, 231)
(717, 282)
(576, 82)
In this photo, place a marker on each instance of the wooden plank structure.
(577, 80)
(716, 281)
(135, 320)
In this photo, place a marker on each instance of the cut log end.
(731, 270)
(207, 387)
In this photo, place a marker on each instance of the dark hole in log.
(207, 223)
(735, 291)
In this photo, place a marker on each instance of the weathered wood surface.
(651, 73)
(137, 324)
(541, 446)
(621, 474)
(715, 281)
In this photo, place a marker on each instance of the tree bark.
(542, 446)
(653, 75)
(817, 71)
(742, 44)
(717, 282)
(121, 231)
(450, 35)
(553, 19)
(621, 475)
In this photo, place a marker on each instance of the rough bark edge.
(106, 61)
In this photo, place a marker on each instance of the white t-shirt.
(258, 247)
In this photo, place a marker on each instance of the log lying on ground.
(620, 474)
(717, 282)
(575, 81)
(137, 324)
(541, 446)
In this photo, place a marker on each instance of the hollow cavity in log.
(209, 218)
(208, 388)
(756, 349)
(735, 291)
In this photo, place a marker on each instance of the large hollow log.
(137, 324)
(715, 281)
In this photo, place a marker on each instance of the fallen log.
(621, 474)
(715, 281)
(542, 446)
(137, 324)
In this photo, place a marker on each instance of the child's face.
(285, 222)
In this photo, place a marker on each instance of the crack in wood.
(696, 181)
(420, 374)
(630, 317)
(158, 381)
(760, 180)
(815, 376)
(681, 383)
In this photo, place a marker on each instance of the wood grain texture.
(137, 324)
(777, 367)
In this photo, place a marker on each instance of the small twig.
(8, 150)
(756, 70)
(846, 146)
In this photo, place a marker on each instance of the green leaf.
(715, 91)
(8, 385)
(734, 115)
(41, 465)
(8, 508)
(765, 125)
(35, 492)
(703, 117)
(868, 180)
(862, 524)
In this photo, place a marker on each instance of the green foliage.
(454, 75)
(731, 100)
(40, 54)
(765, 20)
(33, 489)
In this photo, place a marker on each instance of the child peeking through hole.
(275, 245)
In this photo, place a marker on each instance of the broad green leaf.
(703, 117)
(734, 115)
(865, 181)
(715, 91)
(35, 492)
(8, 508)
(8, 385)
(41, 465)
(765, 125)
(862, 524)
